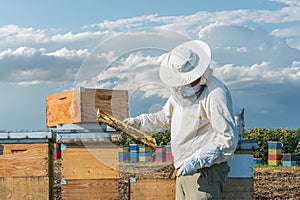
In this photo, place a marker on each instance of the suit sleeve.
(220, 114)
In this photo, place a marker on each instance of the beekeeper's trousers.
(207, 183)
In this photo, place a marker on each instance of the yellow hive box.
(145, 149)
(273, 162)
(123, 149)
(274, 151)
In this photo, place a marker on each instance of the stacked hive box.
(90, 170)
(57, 151)
(169, 157)
(257, 161)
(123, 153)
(240, 183)
(147, 189)
(145, 153)
(274, 153)
(26, 166)
(78, 105)
(89, 162)
(134, 153)
(289, 159)
(160, 154)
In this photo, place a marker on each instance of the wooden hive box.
(78, 105)
(165, 189)
(26, 171)
(90, 171)
(143, 189)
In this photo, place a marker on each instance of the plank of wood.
(90, 189)
(243, 151)
(163, 189)
(90, 163)
(29, 188)
(19, 160)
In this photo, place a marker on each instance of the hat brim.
(174, 79)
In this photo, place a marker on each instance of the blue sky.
(50, 46)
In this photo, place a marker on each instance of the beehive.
(274, 153)
(78, 105)
(26, 167)
(123, 153)
(90, 170)
(160, 154)
(134, 153)
(289, 159)
(163, 189)
(145, 153)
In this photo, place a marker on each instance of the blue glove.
(201, 158)
(190, 167)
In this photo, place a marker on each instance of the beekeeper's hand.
(132, 122)
(201, 158)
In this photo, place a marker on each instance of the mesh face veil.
(188, 90)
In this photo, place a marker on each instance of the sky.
(50, 46)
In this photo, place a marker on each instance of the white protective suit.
(205, 118)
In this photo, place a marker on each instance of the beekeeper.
(199, 113)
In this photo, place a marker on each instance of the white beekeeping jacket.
(196, 122)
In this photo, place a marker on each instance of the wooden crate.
(23, 160)
(90, 172)
(146, 189)
(90, 189)
(78, 105)
(80, 162)
(25, 171)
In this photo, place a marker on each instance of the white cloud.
(289, 2)
(11, 34)
(291, 34)
(287, 32)
(71, 37)
(133, 72)
(69, 54)
(240, 46)
(128, 23)
(241, 77)
(21, 51)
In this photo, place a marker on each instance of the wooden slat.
(90, 163)
(163, 189)
(19, 160)
(90, 189)
(29, 188)
(243, 151)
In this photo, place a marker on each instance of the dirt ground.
(277, 183)
(269, 182)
